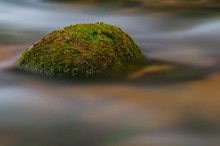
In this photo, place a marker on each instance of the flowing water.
(180, 108)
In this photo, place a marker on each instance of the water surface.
(179, 108)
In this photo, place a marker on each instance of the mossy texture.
(81, 50)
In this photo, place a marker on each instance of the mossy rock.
(81, 50)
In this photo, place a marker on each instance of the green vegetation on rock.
(81, 50)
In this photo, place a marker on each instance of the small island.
(81, 50)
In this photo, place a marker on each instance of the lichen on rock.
(81, 50)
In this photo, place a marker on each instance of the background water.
(155, 112)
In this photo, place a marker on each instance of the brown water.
(178, 107)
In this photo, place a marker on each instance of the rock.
(80, 50)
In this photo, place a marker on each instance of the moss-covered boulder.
(81, 50)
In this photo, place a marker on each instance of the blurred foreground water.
(177, 108)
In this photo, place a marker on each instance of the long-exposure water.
(177, 108)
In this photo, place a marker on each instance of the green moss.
(80, 50)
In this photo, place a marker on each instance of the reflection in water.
(143, 111)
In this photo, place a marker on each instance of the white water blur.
(116, 114)
(162, 37)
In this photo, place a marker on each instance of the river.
(181, 110)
